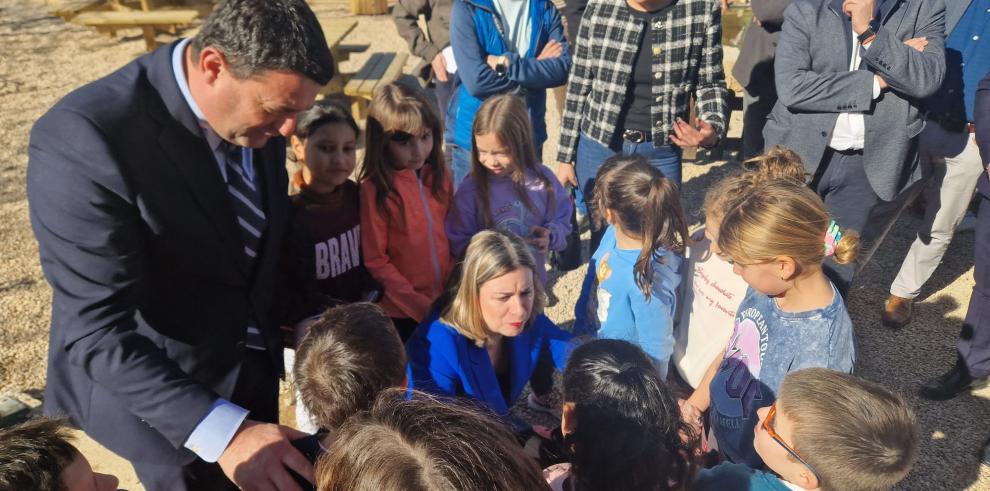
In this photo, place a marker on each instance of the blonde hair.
(490, 254)
(863, 439)
(777, 163)
(505, 116)
(781, 218)
(396, 111)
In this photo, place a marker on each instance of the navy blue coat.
(443, 361)
(151, 291)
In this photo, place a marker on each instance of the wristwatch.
(502, 67)
(869, 34)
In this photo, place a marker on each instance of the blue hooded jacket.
(475, 33)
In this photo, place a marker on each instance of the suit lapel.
(484, 379)
(836, 7)
(181, 140)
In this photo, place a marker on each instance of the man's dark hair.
(33, 455)
(346, 359)
(260, 35)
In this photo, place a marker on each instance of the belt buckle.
(634, 136)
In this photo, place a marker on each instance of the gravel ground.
(43, 58)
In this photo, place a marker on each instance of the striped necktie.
(246, 200)
(248, 204)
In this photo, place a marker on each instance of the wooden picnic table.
(334, 30)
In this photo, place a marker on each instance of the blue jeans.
(460, 161)
(591, 155)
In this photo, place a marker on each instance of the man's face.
(79, 476)
(251, 110)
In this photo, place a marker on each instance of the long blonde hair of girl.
(647, 206)
(505, 116)
(777, 163)
(778, 218)
(490, 254)
(399, 110)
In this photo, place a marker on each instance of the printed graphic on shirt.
(602, 273)
(739, 374)
(338, 255)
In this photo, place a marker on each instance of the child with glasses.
(776, 236)
(865, 438)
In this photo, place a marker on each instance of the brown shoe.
(896, 312)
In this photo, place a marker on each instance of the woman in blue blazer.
(491, 337)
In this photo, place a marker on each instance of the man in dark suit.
(157, 196)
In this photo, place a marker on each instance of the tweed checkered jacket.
(687, 59)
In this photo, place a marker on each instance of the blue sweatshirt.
(510, 214)
(613, 306)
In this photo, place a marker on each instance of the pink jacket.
(404, 246)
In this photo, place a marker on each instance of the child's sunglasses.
(767, 422)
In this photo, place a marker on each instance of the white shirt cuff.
(212, 435)
(876, 87)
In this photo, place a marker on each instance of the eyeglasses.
(767, 422)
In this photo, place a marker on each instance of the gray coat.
(814, 85)
(754, 67)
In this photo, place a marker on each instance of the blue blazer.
(443, 361)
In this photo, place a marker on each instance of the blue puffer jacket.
(474, 35)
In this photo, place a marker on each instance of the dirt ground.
(42, 58)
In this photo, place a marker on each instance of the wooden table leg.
(149, 37)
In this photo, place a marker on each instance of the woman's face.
(507, 302)
(328, 156)
(410, 151)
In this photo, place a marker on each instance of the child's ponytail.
(646, 205)
(845, 248)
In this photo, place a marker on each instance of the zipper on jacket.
(433, 246)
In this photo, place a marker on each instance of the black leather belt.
(636, 136)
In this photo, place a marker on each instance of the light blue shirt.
(212, 435)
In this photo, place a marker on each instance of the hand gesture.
(860, 12)
(259, 456)
(439, 64)
(565, 174)
(687, 136)
(552, 49)
(918, 44)
(539, 237)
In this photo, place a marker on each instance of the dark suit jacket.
(151, 293)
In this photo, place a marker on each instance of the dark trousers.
(756, 108)
(842, 184)
(974, 340)
(257, 391)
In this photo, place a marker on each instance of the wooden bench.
(343, 52)
(380, 69)
(148, 22)
(71, 8)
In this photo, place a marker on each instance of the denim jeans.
(591, 155)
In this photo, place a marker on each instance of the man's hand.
(881, 81)
(687, 136)
(552, 49)
(565, 174)
(918, 44)
(861, 13)
(492, 60)
(259, 456)
(439, 67)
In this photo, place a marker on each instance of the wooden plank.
(69, 9)
(394, 70)
(158, 18)
(354, 85)
(367, 89)
(334, 30)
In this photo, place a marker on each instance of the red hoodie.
(405, 247)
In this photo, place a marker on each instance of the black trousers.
(256, 391)
(974, 340)
(842, 184)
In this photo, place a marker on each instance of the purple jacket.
(510, 214)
